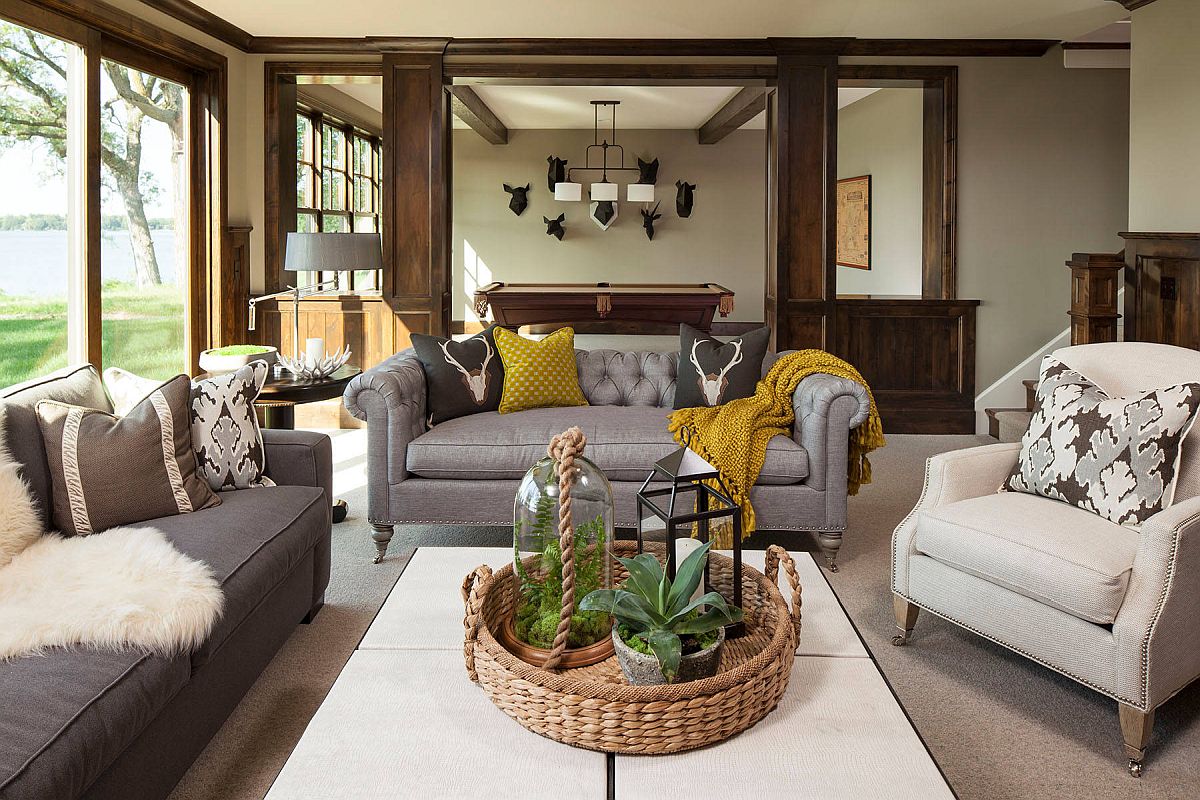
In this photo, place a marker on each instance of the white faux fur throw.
(123, 588)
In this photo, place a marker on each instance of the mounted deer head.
(648, 218)
(648, 171)
(713, 384)
(557, 172)
(476, 380)
(554, 227)
(520, 197)
(683, 198)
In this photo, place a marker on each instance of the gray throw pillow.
(712, 372)
(461, 378)
(1116, 457)
(108, 470)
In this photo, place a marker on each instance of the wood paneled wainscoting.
(918, 355)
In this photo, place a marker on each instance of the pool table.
(515, 304)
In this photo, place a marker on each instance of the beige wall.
(881, 136)
(722, 241)
(1164, 126)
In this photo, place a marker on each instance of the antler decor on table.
(318, 371)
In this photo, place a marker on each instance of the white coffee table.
(403, 720)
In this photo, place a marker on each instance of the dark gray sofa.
(80, 723)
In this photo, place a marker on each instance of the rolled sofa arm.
(299, 458)
(391, 399)
(1155, 628)
(827, 407)
(950, 477)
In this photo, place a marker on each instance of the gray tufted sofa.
(466, 470)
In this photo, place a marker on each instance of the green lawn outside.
(142, 332)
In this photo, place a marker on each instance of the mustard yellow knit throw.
(733, 437)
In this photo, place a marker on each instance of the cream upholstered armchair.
(1109, 606)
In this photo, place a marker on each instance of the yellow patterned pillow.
(538, 374)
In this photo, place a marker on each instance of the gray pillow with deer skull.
(712, 372)
(461, 378)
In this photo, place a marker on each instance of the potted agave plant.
(661, 634)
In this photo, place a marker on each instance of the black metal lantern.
(688, 474)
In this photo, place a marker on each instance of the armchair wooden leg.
(1136, 726)
(382, 535)
(906, 619)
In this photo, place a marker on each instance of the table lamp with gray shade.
(318, 252)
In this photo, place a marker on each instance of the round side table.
(284, 391)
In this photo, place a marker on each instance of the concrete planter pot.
(643, 670)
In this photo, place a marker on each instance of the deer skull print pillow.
(462, 377)
(712, 372)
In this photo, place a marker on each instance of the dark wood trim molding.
(951, 48)
(468, 106)
(601, 73)
(1096, 46)
(1133, 5)
(748, 103)
(112, 21)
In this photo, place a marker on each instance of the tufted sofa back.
(643, 378)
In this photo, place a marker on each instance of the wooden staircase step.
(1010, 418)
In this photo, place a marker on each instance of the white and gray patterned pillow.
(1116, 457)
(225, 435)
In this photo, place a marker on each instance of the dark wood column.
(804, 154)
(416, 196)
(1095, 280)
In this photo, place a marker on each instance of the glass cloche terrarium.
(538, 560)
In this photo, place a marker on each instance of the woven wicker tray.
(594, 708)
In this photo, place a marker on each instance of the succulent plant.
(659, 611)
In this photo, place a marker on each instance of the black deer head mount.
(556, 172)
(648, 171)
(683, 198)
(554, 227)
(648, 218)
(520, 197)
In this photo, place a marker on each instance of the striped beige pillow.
(109, 470)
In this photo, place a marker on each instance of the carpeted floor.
(999, 725)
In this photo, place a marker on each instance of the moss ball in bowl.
(226, 359)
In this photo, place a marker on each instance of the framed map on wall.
(854, 222)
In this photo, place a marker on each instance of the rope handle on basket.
(775, 556)
(563, 449)
(474, 589)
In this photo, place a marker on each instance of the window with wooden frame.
(338, 187)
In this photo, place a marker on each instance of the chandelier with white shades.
(604, 190)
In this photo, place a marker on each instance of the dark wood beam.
(203, 20)
(1095, 46)
(470, 108)
(741, 108)
(952, 48)
(1133, 5)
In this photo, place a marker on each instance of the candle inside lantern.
(314, 351)
(684, 547)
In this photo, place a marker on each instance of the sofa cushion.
(1051, 552)
(79, 386)
(66, 717)
(252, 541)
(624, 441)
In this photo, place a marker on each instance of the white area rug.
(125, 587)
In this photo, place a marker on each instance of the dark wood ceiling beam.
(741, 108)
(470, 108)
(952, 48)
(1133, 5)
(204, 21)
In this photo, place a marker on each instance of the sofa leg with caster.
(382, 534)
(1136, 726)
(906, 619)
(830, 542)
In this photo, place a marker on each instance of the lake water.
(35, 262)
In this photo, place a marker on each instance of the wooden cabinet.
(1162, 288)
